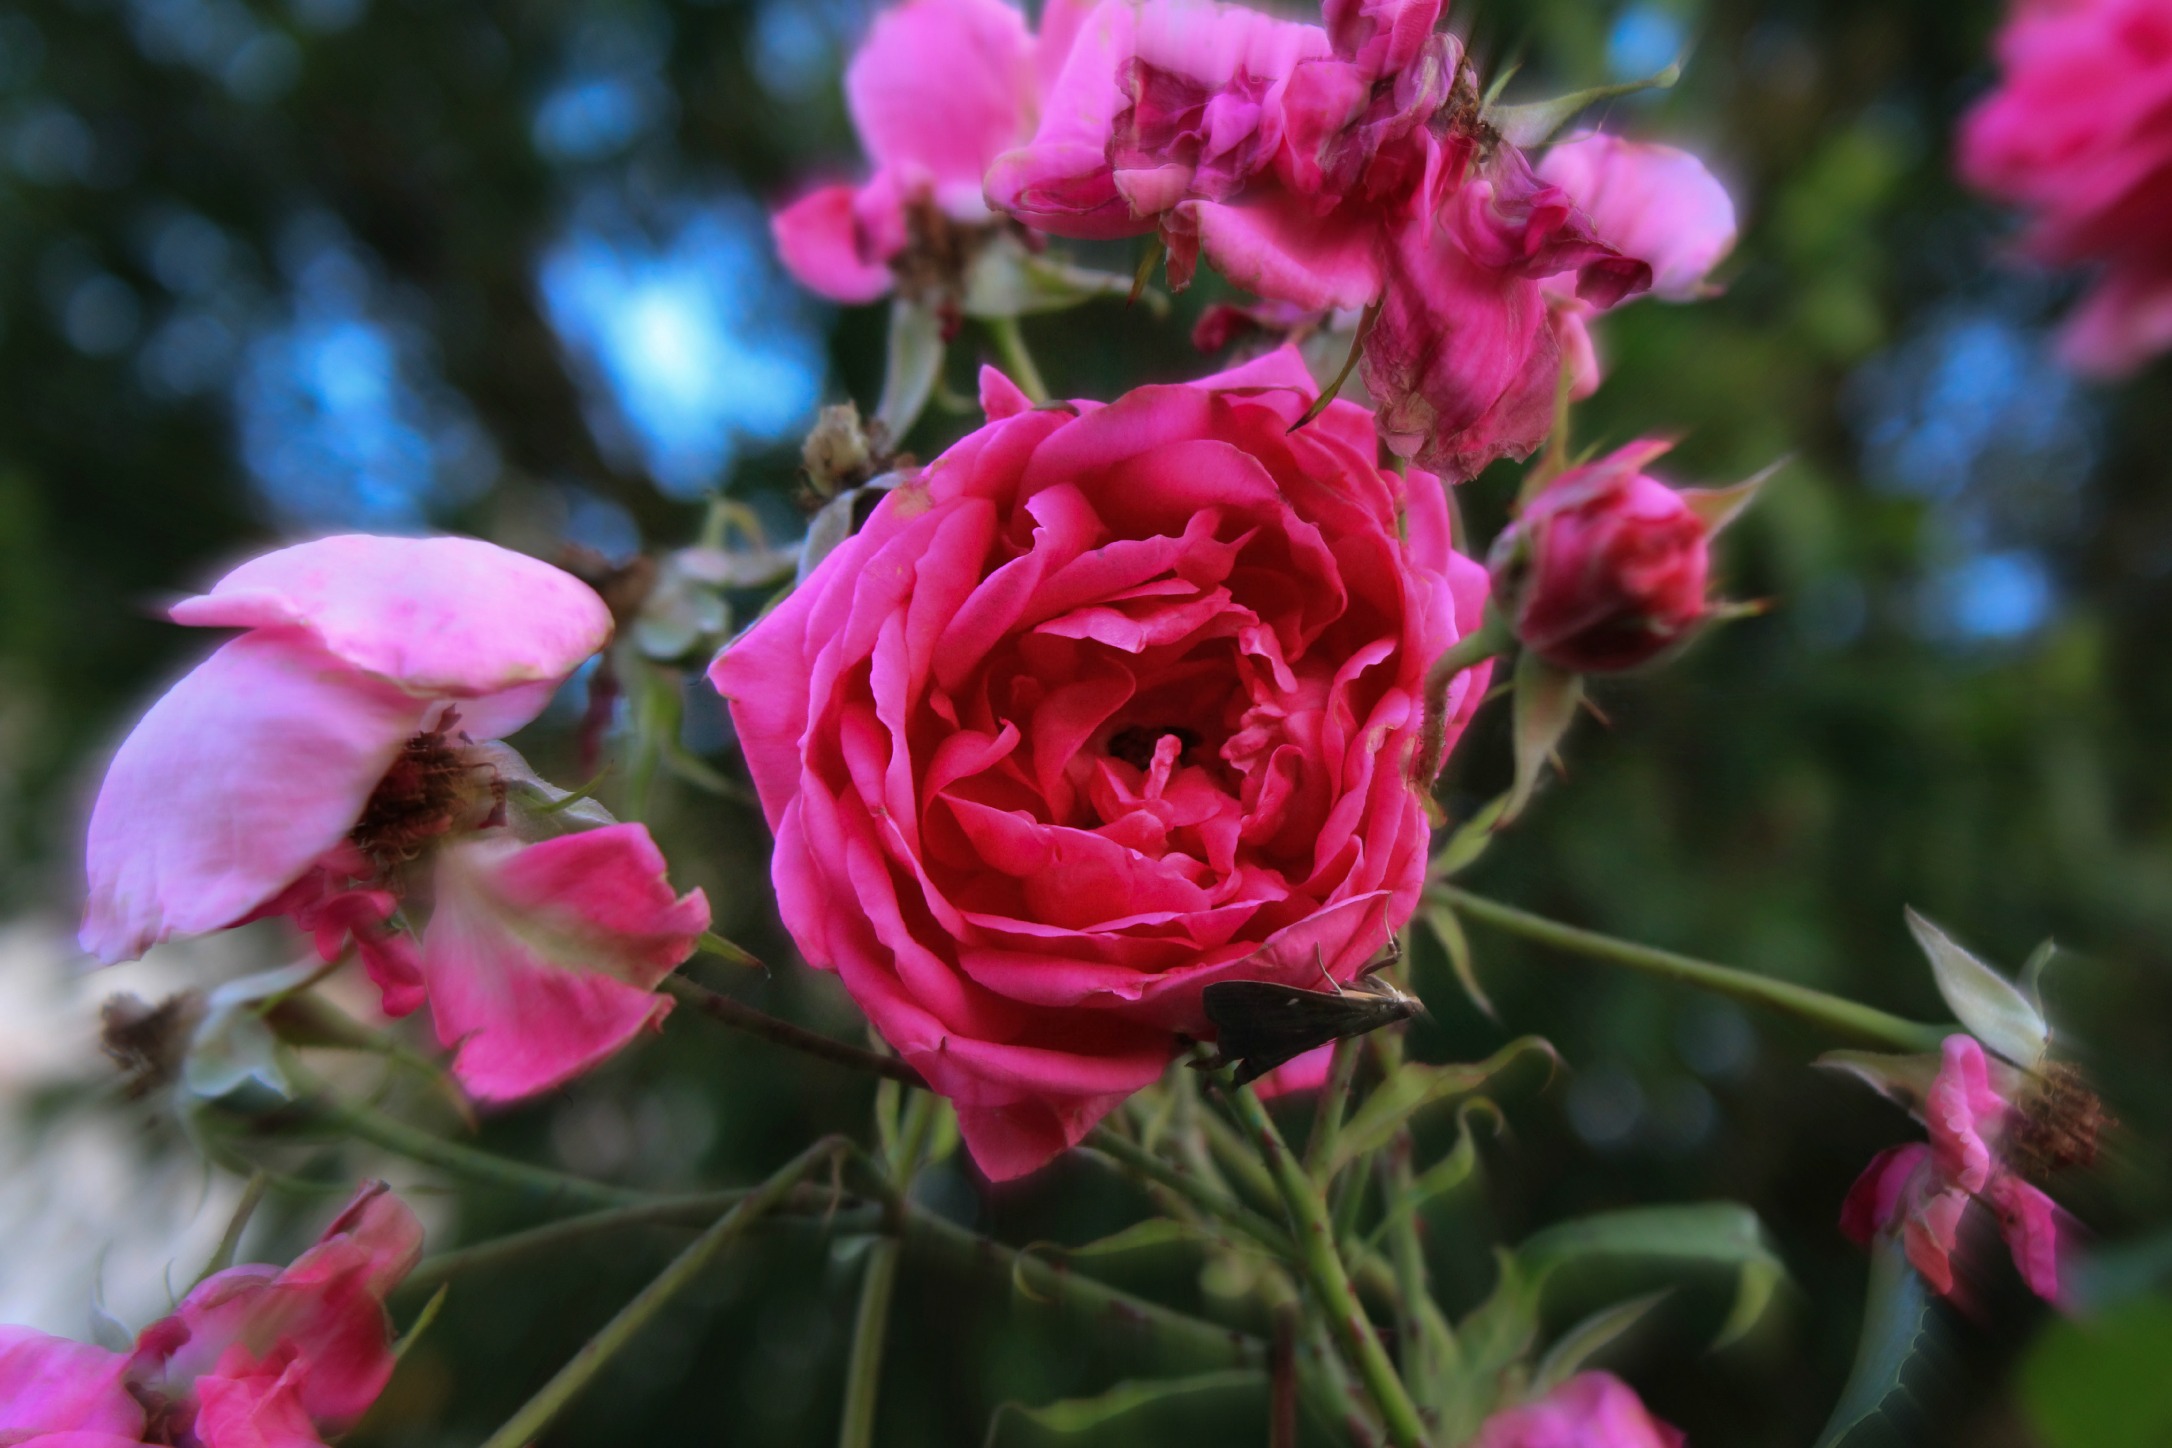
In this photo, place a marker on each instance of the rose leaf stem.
(1135, 1160)
(1492, 637)
(1323, 1269)
(871, 1323)
(1841, 1016)
(552, 1398)
(738, 1014)
(1010, 341)
(1327, 1116)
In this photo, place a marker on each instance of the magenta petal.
(2123, 321)
(543, 959)
(942, 87)
(51, 1386)
(1874, 1203)
(450, 616)
(1961, 1111)
(1276, 247)
(235, 783)
(254, 1411)
(821, 244)
(1590, 1410)
(2029, 1221)
(1061, 181)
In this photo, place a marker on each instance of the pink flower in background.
(2078, 134)
(1105, 704)
(325, 766)
(1606, 568)
(254, 1357)
(1590, 1410)
(939, 89)
(1923, 1191)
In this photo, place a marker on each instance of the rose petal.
(821, 243)
(1652, 202)
(940, 88)
(51, 1386)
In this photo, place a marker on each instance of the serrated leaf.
(1898, 1316)
(1905, 1080)
(915, 359)
(1535, 122)
(1415, 1087)
(1992, 1008)
(1701, 1234)
(1594, 1334)
(1078, 1415)
(1546, 699)
(1463, 848)
(1447, 928)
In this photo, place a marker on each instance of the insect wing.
(1261, 1024)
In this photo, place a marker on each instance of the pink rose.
(1590, 1410)
(254, 1357)
(939, 89)
(1105, 704)
(1652, 202)
(2079, 135)
(331, 765)
(1605, 569)
(1923, 1192)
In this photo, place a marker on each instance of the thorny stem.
(1490, 638)
(1010, 341)
(738, 1014)
(1841, 1016)
(1327, 1117)
(1323, 1269)
(1135, 1160)
(553, 1397)
(871, 1324)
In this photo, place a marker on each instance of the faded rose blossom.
(1923, 1191)
(938, 90)
(332, 765)
(254, 1357)
(1590, 1410)
(2078, 134)
(1322, 167)
(1606, 568)
(1105, 704)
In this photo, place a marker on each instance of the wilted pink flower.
(939, 89)
(326, 766)
(1606, 568)
(254, 1357)
(1590, 1410)
(2079, 135)
(1104, 705)
(1923, 1191)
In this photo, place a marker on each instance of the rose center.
(1136, 744)
(432, 789)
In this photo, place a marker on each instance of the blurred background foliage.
(277, 266)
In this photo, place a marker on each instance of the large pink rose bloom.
(1590, 1410)
(1923, 1191)
(2079, 135)
(939, 89)
(254, 1357)
(327, 765)
(1105, 704)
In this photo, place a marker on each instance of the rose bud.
(1606, 567)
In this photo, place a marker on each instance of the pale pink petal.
(1060, 24)
(1062, 181)
(454, 617)
(51, 1386)
(236, 782)
(821, 243)
(1590, 1410)
(1273, 245)
(941, 87)
(1931, 1231)
(1655, 203)
(543, 959)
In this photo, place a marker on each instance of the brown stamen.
(430, 790)
(2056, 1123)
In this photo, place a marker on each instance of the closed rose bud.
(1606, 567)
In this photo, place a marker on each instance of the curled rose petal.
(1655, 203)
(51, 1388)
(821, 242)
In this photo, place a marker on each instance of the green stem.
(1010, 341)
(1491, 637)
(222, 1256)
(1323, 1269)
(741, 1016)
(1135, 1160)
(1237, 1159)
(871, 1324)
(538, 1412)
(1327, 1118)
(537, 1184)
(1843, 1017)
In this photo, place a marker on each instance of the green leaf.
(1986, 1002)
(1546, 699)
(1078, 1415)
(1470, 840)
(1138, 1237)
(1717, 507)
(1897, 1324)
(2099, 1382)
(1412, 1089)
(1575, 1347)
(1494, 1339)
(1702, 1234)
(1445, 1175)
(1448, 930)
(1535, 122)
(915, 359)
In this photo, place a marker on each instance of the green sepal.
(1991, 1006)
(1415, 1087)
(1535, 122)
